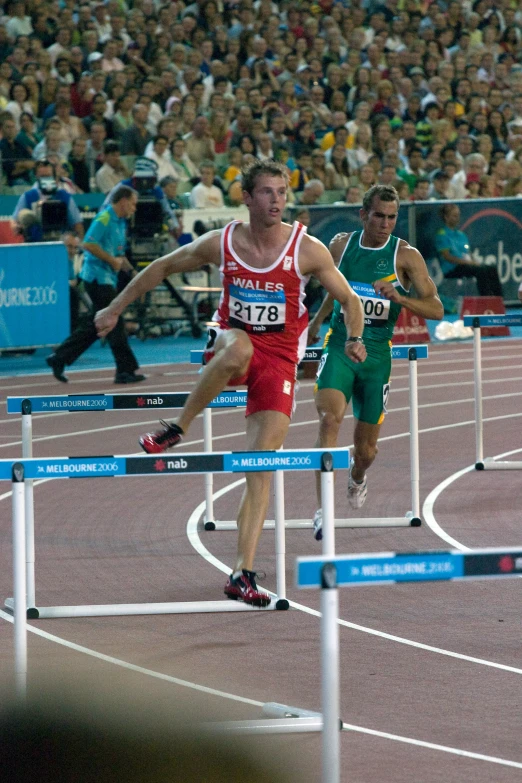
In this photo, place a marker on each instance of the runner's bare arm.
(336, 247)
(203, 251)
(315, 259)
(413, 267)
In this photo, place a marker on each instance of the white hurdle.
(383, 568)
(110, 466)
(477, 321)
(185, 464)
(412, 518)
(99, 403)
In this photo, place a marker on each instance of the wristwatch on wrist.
(354, 340)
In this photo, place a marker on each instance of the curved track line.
(193, 536)
(231, 697)
(427, 508)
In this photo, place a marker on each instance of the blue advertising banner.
(34, 295)
(386, 567)
(382, 567)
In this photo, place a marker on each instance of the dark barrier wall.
(34, 295)
(494, 229)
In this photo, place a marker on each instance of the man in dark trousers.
(104, 247)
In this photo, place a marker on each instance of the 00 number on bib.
(256, 311)
(376, 308)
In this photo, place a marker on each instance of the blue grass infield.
(154, 350)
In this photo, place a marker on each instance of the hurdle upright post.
(27, 453)
(19, 577)
(209, 522)
(280, 539)
(477, 377)
(329, 630)
(414, 433)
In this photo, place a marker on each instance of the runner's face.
(268, 199)
(379, 221)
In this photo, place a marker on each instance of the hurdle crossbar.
(477, 321)
(411, 518)
(118, 466)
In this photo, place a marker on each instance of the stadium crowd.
(423, 95)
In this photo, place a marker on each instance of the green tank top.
(362, 266)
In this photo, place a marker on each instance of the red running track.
(431, 673)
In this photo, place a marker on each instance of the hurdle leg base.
(415, 522)
(479, 466)
(210, 525)
(282, 604)
(32, 612)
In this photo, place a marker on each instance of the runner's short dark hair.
(382, 192)
(253, 171)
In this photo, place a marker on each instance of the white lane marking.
(194, 539)
(131, 666)
(232, 697)
(427, 508)
(432, 746)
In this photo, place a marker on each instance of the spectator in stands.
(439, 187)
(339, 167)
(78, 167)
(319, 170)
(95, 149)
(135, 139)
(71, 127)
(185, 169)
(160, 154)
(28, 136)
(19, 102)
(47, 186)
(51, 143)
(99, 108)
(113, 171)
(206, 195)
(311, 193)
(17, 162)
(199, 144)
(455, 255)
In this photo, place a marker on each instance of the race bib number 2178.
(257, 311)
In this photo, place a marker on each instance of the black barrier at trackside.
(493, 227)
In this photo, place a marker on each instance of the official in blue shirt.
(455, 258)
(104, 257)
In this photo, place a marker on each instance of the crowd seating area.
(423, 95)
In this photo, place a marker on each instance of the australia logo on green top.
(382, 264)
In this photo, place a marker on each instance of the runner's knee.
(365, 452)
(330, 421)
(237, 355)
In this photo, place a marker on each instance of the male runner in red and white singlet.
(261, 335)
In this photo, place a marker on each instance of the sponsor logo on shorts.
(287, 387)
(385, 397)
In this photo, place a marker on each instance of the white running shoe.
(318, 524)
(357, 492)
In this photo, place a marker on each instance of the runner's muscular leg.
(331, 406)
(266, 430)
(233, 352)
(365, 447)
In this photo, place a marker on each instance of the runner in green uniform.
(382, 269)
